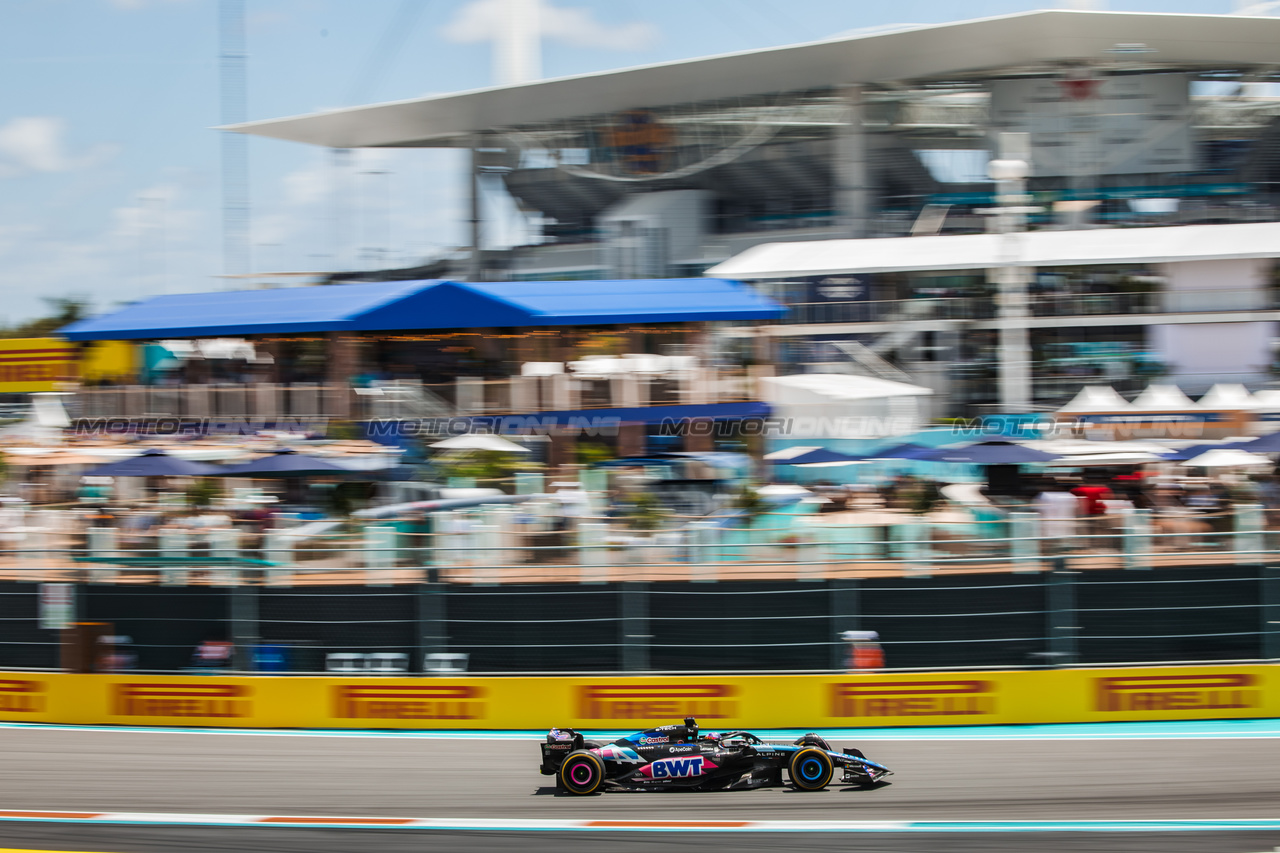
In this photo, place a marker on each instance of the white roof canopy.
(1228, 457)
(1030, 39)
(985, 251)
(480, 441)
(1163, 398)
(789, 452)
(1267, 399)
(1227, 396)
(1096, 398)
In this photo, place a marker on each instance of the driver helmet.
(712, 736)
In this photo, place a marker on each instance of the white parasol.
(480, 441)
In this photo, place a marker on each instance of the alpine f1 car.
(679, 757)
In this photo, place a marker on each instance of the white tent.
(480, 441)
(1096, 398)
(1164, 398)
(1228, 396)
(1073, 447)
(789, 452)
(842, 405)
(1267, 399)
(1120, 457)
(1226, 457)
(841, 386)
(775, 490)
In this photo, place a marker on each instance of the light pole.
(1014, 357)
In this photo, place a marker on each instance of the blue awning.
(427, 305)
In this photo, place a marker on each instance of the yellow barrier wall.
(116, 361)
(765, 701)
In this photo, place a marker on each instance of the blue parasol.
(284, 463)
(991, 453)
(903, 451)
(819, 456)
(154, 463)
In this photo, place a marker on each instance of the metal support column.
(1015, 340)
(1269, 592)
(634, 626)
(475, 266)
(244, 625)
(852, 186)
(432, 637)
(845, 616)
(1010, 173)
(1060, 614)
(1249, 528)
(704, 551)
(1025, 547)
(1136, 537)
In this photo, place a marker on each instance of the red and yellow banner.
(763, 701)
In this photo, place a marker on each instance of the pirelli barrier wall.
(783, 701)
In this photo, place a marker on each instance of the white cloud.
(576, 26)
(156, 211)
(35, 144)
(305, 193)
(482, 20)
(156, 243)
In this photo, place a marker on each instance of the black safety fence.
(1065, 616)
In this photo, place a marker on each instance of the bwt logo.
(656, 701)
(21, 697)
(912, 699)
(180, 700)
(1177, 692)
(435, 702)
(675, 768)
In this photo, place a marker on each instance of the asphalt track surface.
(939, 780)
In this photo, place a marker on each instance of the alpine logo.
(621, 754)
(675, 768)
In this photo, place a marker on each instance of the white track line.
(628, 825)
(1219, 730)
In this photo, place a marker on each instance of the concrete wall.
(1200, 354)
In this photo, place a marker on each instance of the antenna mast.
(235, 151)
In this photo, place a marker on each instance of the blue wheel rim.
(811, 769)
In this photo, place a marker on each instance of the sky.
(110, 169)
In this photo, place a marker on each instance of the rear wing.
(559, 743)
